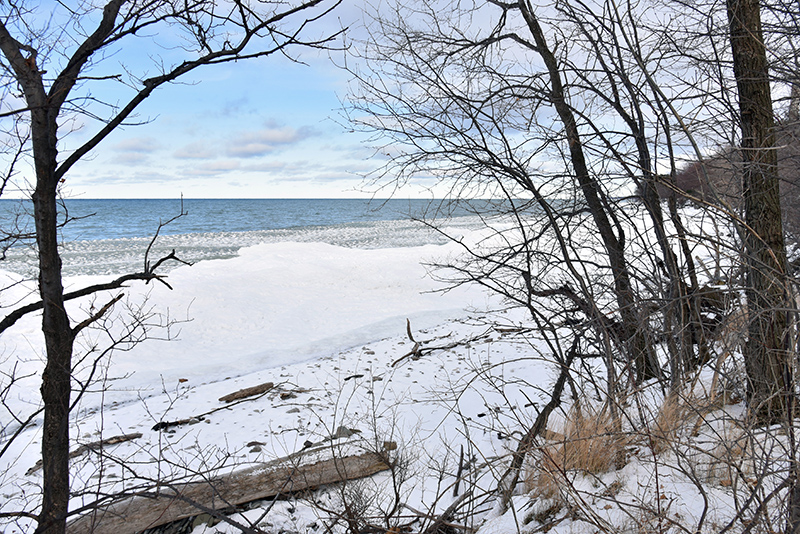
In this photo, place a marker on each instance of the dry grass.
(691, 435)
(542, 481)
(673, 418)
(717, 455)
(592, 442)
(588, 442)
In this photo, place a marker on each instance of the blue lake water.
(110, 236)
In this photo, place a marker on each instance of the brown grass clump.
(591, 442)
(542, 480)
(713, 444)
(588, 442)
(670, 421)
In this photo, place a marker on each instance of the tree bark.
(56, 327)
(162, 505)
(766, 355)
(57, 373)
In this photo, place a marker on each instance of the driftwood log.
(248, 392)
(168, 503)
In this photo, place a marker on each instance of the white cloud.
(199, 150)
(262, 142)
(131, 158)
(212, 168)
(139, 145)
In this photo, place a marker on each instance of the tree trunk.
(766, 356)
(58, 335)
(633, 333)
(55, 326)
(56, 377)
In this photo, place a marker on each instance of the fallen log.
(168, 503)
(247, 392)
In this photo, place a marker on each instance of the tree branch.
(224, 55)
(146, 275)
(101, 312)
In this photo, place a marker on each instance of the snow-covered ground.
(322, 322)
(327, 325)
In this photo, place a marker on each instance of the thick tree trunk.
(58, 335)
(56, 377)
(56, 328)
(766, 356)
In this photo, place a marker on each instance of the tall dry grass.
(587, 441)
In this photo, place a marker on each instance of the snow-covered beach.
(582, 316)
(331, 328)
(313, 317)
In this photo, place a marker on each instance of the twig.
(442, 520)
(92, 447)
(460, 471)
(445, 517)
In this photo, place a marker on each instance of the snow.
(273, 305)
(325, 324)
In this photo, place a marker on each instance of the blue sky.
(263, 128)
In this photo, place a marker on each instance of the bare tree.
(54, 60)
(500, 110)
(574, 115)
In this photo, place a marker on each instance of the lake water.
(111, 236)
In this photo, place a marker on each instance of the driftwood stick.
(241, 395)
(93, 446)
(248, 392)
(168, 503)
(415, 351)
(163, 425)
(418, 350)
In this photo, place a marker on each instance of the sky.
(261, 128)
